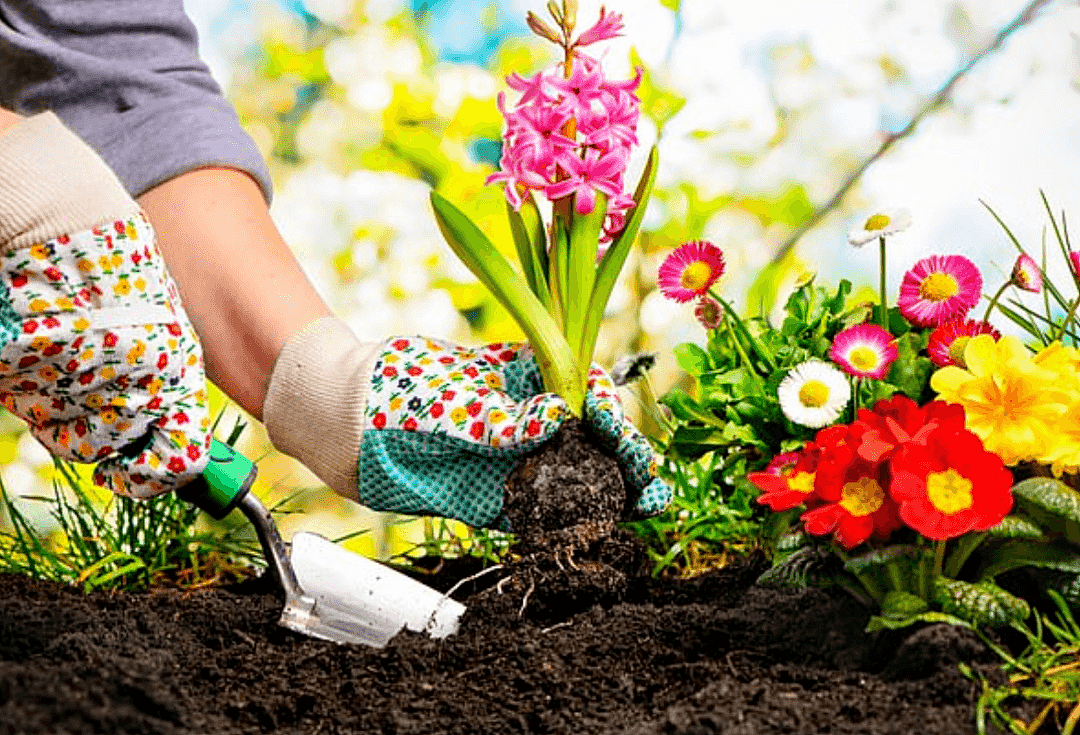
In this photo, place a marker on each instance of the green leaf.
(898, 604)
(807, 567)
(1016, 526)
(584, 243)
(527, 228)
(911, 372)
(607, 272)
(692, 358)
(686, 408)
(1051, 496)
(880, 622)
(1024, 553)
(553, 353)
(980, 603)
(880, 557)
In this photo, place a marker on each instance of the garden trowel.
(330, 593)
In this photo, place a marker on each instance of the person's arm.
(239, 281)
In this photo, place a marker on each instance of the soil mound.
(600, 650)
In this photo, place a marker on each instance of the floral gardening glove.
(96, 352)
(445, 424)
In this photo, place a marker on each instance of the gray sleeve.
(126, 76)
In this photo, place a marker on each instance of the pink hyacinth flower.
(865, 351)
(690, 270)
(938, 289)
(1026, 274)
(596, 172)
(609, 26)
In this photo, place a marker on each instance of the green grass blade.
(607, 272)
(553, 354)
(585, 230)
(530, 240)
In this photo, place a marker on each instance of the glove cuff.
(315, 404)
(52, 183)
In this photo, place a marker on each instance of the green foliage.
(1046, 672)
(980, 603)
(122, 543)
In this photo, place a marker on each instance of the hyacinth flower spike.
(567, 137)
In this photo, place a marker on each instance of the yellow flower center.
(801, 482)
(814, 394)
(877, 222)
(864, 358)
(938, 287)
(956, 350)
(949, 491)
(696, 275)
(862, 497)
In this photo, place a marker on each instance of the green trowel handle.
(224, 482)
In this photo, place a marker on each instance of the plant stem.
(867, 580)
(939, 559)
(995, 299)
(743, 357)
(883, 318)
(652, 405)
(1068, 318)
(758, 347)
(896, 578)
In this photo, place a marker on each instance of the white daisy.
(814, 393)
(880, 224)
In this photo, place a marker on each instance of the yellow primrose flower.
(1065, 361)
(1064, 456)
(1010, 402)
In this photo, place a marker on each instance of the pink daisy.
(1074, 261)
(948, 341)
(938, 289)
(865, 351)
(1026, 274)
(690, 270)
(709, 312)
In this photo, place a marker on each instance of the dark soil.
(714, 654)
(574, 637)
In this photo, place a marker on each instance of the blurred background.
(780, 125)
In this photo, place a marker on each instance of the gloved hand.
(443, 425)
(96, 352)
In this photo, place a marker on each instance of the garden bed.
(713, 654)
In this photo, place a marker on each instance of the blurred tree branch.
(939, 98)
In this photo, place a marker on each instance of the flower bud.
(569, 9)
(541, 28)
